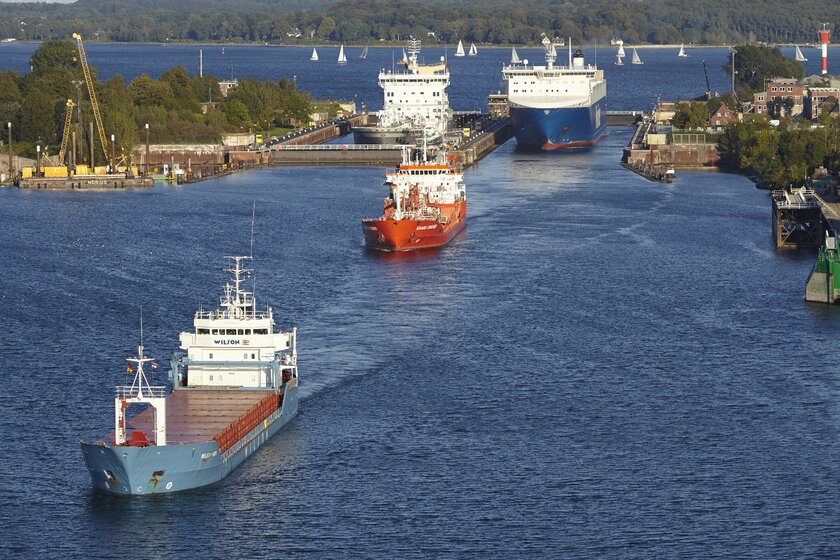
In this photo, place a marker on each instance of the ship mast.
(140, 391)
(550, 52)
(238, 303)
(413, 50)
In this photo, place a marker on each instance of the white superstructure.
(235, 345)
(552, 87)
(416, 98)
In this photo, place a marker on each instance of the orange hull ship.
(426, 208)
(407, 235)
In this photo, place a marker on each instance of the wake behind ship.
(426, 206)
(235, 385)
(555, 107)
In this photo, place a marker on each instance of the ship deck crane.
(92, 94)
(65, 136)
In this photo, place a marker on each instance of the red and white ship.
(427, 205)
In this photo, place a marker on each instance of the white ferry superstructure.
(416, 106)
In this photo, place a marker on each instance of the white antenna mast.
(253, 216)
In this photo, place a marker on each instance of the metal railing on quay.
(337, 148)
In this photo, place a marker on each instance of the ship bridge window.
(215, 331)
(231, 331)
(247, 331)
(240, 331)
(203, 331)
(260, 331)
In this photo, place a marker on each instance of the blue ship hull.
(136, 470)
(555, 129)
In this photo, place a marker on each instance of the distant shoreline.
(400, 44)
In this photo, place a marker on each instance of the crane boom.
(708, 87)
(68, 120)
(92, 94)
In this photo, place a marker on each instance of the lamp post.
(11, 167)
(147, 150)
(113, 154)
(38, 160)
(734, 52)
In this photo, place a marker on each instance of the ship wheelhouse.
(234, 345)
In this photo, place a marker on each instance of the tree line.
(177, 107)
(490, 21)
(784, 155)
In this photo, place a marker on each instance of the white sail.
(460, 50)
(799, 56)
(314, 57)
(514, 56)
(618, 61)
(364, 52)
(404, 58)
(621, 50)
(636, 59)
(473, 50)
(342, 59)
(682, 54)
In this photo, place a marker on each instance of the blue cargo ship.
(556, 107)
(234, 386)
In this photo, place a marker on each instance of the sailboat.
(473, 50)
(314, 57)
(460, 50)
(341, 58)
(621, 50)
(364, 52)
(404, 58)
(514, 56)
(636, 59)
(682, 54)
(618, 61)
(799, 56)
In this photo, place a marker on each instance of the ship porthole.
(169, 486)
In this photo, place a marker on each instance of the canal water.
(598, 367)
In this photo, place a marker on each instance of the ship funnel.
(577, 60)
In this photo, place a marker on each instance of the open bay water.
(598, 366)
(629, 87)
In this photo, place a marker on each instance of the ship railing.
(132, 391)
(223, 314)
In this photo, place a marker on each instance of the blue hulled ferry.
(555, 107)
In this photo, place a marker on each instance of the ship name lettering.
(426, 227)
(223, 342)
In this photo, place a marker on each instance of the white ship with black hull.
(415, 107)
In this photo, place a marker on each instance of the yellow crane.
(68, 121)
(92, 94)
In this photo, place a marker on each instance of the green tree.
(37, 121)
(754, 64)
(146, 91)
(691, 115)
(236, 113)
(54, 54)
